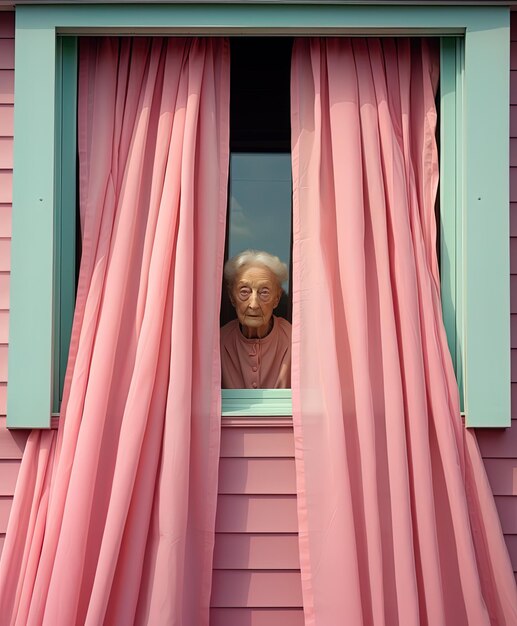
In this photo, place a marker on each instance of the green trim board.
(240, 18)
(485, 223)
(66, 210)
(256, 402)
(483, 267)
(474, 219)
(450, 198)
(43, 246)
(29, 398)
(311, 17)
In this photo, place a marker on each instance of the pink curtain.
(119, 528)
(397, 522)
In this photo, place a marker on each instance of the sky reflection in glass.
(260, 204)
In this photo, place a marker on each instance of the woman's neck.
(257, 333)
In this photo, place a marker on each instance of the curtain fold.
(397, 522)
(126, 506)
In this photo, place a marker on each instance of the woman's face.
(255, 294)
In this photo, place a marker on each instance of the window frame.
(474, 166)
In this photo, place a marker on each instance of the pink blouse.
(256, 363)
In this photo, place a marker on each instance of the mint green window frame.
(474, 186)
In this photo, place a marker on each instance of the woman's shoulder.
(229, 329)
(283, 326)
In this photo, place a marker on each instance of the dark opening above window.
(259, 94)
(260, 188)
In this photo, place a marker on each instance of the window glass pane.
(260, 204)
(259, 198)
(259, 218)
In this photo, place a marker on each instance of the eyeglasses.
(264, 294)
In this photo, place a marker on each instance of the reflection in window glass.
(260, 204)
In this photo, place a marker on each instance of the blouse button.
(254, 385)
(254, 368)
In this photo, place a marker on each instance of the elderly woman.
(256, 347)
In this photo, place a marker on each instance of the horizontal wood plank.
(513, 293)
(6, 211)
(5, 279)
(4, 326)
(256, 514)
(513, 55)
(513, 193)
(9, 470)
(5, 255)
(502, 474)
(3, 364)
(6, 23)
(6, 54)
(6, 86)
(511, 544)
(513, 357)
(3, 403)
(513, 189)
(256, 589)
(12, 442)
(5, 509)
(513, 87)
(513, 219)
(265, 476)
(513, 240)
(6, 120)
(257, 442)
(513, 152)
(513, 121)
(256, 617)
(6, 153)
(498, 442)
(6, 187)
(507, 509)
(256, 551)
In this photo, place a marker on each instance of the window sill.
(256, 403)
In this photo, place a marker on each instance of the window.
(260, 185)
(259, 190)
(259, 212)
(474, 201)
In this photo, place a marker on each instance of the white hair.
(253, 257)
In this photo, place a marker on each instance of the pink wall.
(256, 568)
(499, 448)
(11, 443)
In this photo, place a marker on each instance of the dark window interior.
(259, 94)
(259, 189)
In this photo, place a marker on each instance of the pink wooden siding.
(256, 567)
(12, 443)
(499, 447)
(256, 558)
